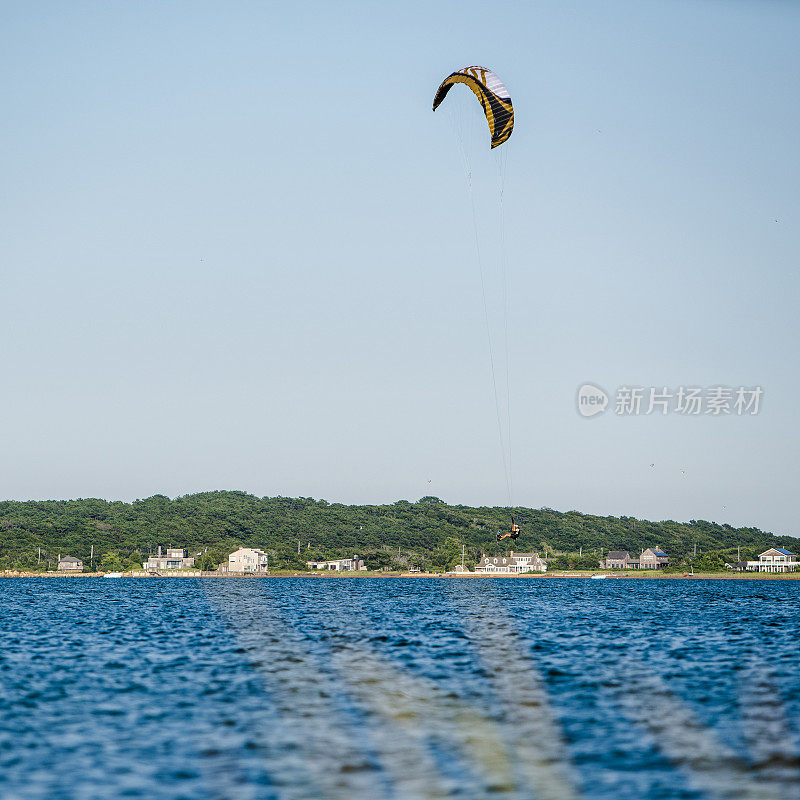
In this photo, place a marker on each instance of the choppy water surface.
(348, 688)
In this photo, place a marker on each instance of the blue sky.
(238, 251)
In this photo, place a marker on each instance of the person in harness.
(513, 533)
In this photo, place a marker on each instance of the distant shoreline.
(644, 575)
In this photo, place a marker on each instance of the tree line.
(428, 534)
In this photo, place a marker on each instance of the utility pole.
(298, 547)
(91, 559)
(39, 557)
(463, 550)
(580, 551)
(694, 553)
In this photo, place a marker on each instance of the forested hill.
(428, 533)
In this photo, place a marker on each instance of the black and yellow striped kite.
(494, 97)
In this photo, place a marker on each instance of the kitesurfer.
(513, 533)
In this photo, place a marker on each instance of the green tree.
(210, 560)
(430, 532)
(378, 559)
(709, 562)
(111, 561)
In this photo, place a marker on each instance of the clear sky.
(236, 251)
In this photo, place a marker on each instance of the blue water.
(370, 688)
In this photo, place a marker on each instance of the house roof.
(659, 552)
(71, 559)
(618, 555)
(780, 550)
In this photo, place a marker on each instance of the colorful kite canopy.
(494, 97)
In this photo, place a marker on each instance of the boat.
(113, 575)
(598, 577)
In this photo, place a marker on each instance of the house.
(69, 564)
(247, 559)
(176, 558)
(338, 565)
(652, 558)
(528, 562)
(616, 559)
(776, 559)
(512, 564)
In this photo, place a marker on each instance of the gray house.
(616, 559)
(176, 558)
(652, 558)
(69, 564)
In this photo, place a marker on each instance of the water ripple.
(301, 688)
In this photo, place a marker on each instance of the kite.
(494, 97)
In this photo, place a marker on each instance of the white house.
(69, 564)
(248, 559)
(776, 559)
(339, 565)
(176, 558)
(511, 564)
